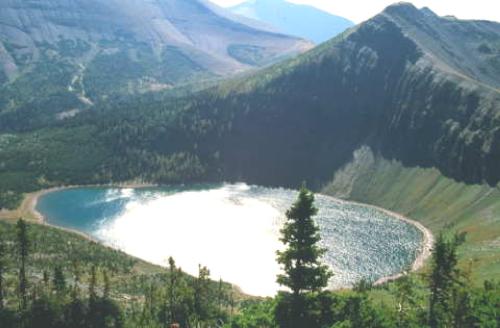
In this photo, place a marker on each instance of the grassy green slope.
(424, 194)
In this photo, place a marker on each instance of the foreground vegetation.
(52, 278)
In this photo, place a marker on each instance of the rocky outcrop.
(394, 83)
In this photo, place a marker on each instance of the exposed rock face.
(445, 108)
(413, 86)
(127, 45)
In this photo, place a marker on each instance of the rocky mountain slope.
(399, 83)
(301, 20)
(61, 56)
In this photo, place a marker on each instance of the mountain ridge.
(430, 25)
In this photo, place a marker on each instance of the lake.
(233, 229)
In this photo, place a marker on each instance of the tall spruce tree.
(23, 249)
(93, 304)
(172, 290)
(304, 273)
(58, 280)
(2, 269)
(202, 303)
(93, 284)
(303, 270)
(107, 284)
(442, 280)
(407, 301)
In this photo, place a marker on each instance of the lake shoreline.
(30, 202)
(426, 245)
(32, 198)
(27, 210)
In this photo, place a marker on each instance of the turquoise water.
(234, 230)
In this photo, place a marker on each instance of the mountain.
(61, 56)
(402, 111)
(301, 20)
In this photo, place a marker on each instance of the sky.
(361, 10)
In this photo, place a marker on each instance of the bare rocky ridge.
(193, 25)
(461, 48)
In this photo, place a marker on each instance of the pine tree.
(220, 295)
(75, 291)
(202, 306)
(45, 279)
(407, 301)
(76, 310)
(172, 289)
(442, 279)
(58, 281)
(92, 284)
(2, 269)
(107, 284)
(93, 311)
(22, 248)
(303, 270)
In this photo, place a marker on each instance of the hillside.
(77, 283)
(424, 109)
(58, 58)
(301, 20)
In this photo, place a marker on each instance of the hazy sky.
(360, 10)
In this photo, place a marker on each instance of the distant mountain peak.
(403, 9)
(402, 6)
(300, 20)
